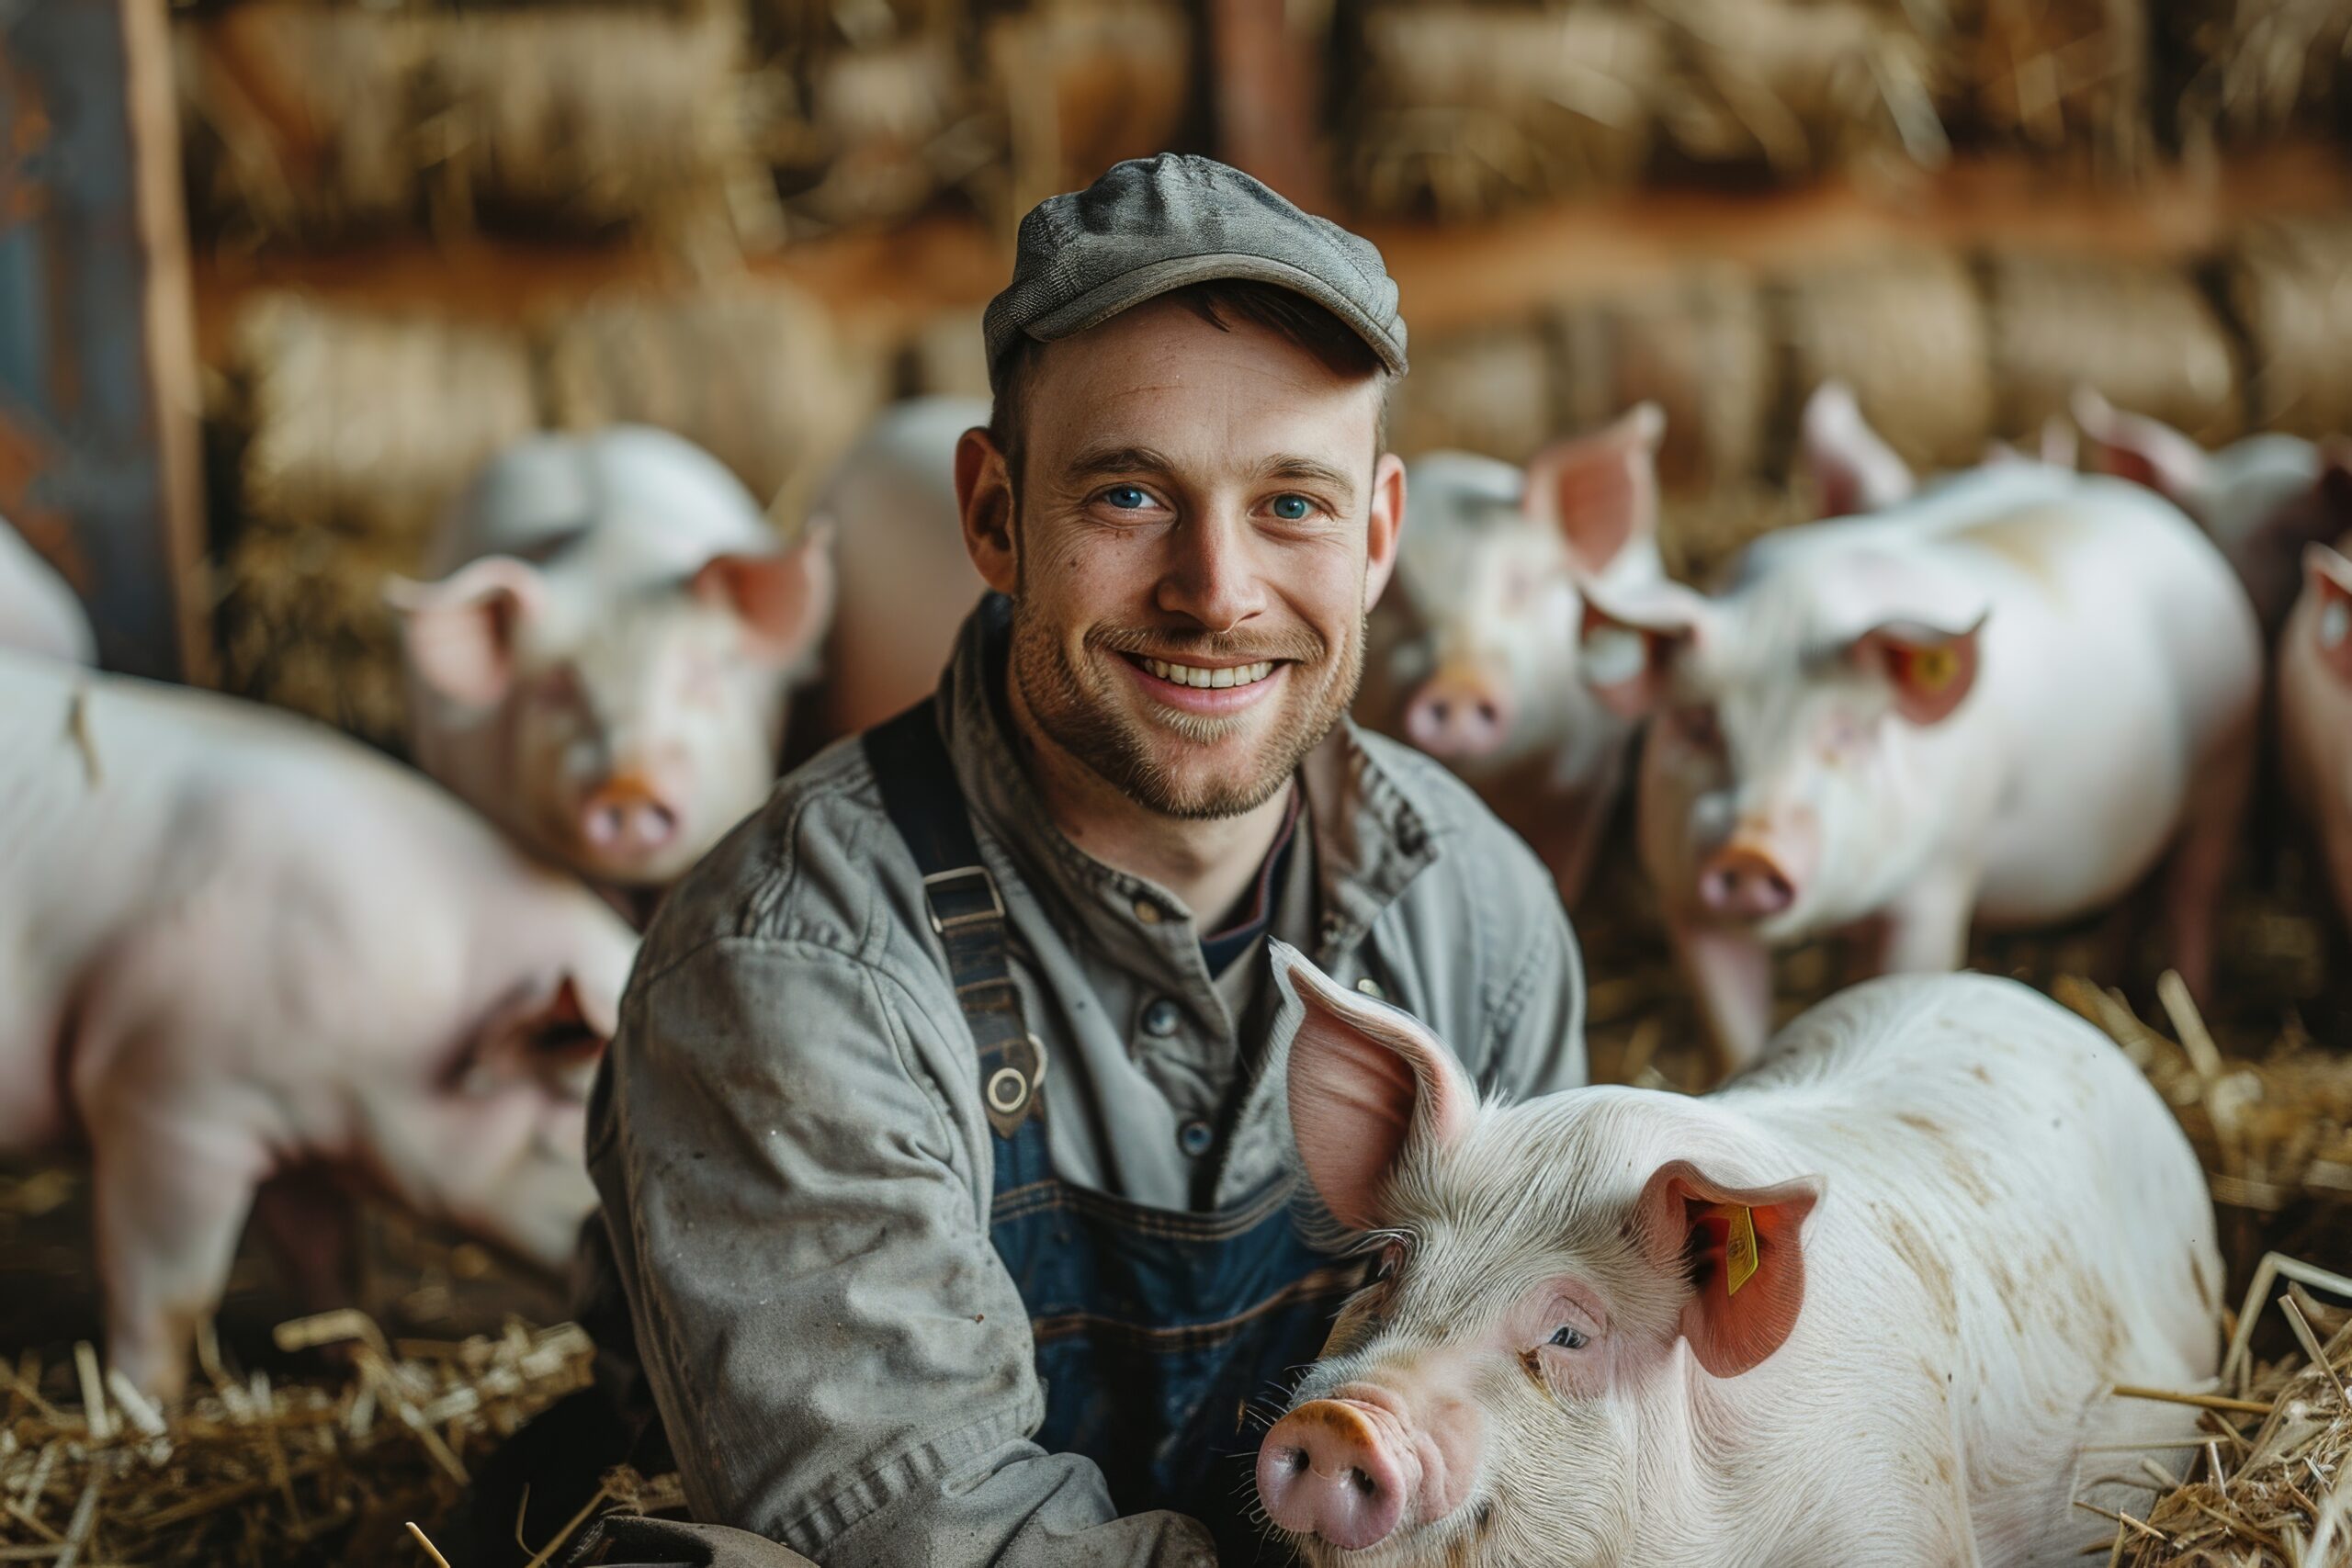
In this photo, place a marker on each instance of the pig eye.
(1566, 1338)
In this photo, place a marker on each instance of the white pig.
(2316, 710)
(2004, 700)
(603, 667)
(233, 942)
(906, 580)
(2262, 499)
(39, 614)
(1862, 1306)
(1474, 649)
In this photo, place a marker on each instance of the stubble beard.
(1077, 711)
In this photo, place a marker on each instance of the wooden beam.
(1266, 77)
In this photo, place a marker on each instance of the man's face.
(1202, 523)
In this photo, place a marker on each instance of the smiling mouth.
(1207, 678)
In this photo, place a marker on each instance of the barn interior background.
(342, 250)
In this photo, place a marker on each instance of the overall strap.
(925, 804)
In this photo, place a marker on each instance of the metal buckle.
(995, 911)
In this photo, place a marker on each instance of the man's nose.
(1212, 577)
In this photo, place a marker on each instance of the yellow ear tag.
(1932, 669)
(1739, 1246)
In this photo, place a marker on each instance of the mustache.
(1300, 647)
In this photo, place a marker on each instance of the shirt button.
(1162, 1017)
(1194, 1137)
(1146, 912)
(1371, 987)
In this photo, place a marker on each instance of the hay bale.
(2254, 71)
(1489, 390)
(597, 115)
(1908, 335)
(1084, 84)
(756, 374)
(1699, 348)
(300, 122)
(2058, 77)
(1462, 112)
(2289, 284)
(1800, 86)
(2143, 336)
(886, 128)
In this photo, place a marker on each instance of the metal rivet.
(1007, 1090)
(1371, 987)
(1194, 1137)
(1147, 912)
(1162, 1017)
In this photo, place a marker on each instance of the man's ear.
(783, 601)
(1600, 489)
(1739, 1254)
(1366, 1079)
(460, 633)
(984, 500)
(1853, 469)
(2146, 451)
(1386, 526)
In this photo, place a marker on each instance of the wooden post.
(99, 432)
(1266, 83)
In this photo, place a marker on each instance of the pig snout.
(1459, 713)
(1328, 1470)
(1745, 884)
(628, 816)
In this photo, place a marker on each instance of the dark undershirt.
(1219, 949)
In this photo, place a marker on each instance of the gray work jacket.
(796, 1168)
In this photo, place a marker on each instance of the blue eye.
(1126, 498)
(1293, 508)
(1567, 1338)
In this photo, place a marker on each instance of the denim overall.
(1155, 1329)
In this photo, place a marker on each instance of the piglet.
(39, 614)
(1863, 1305)
(235, 944)
(2262, 499)
(2004, 699)
(602, 665)
(1474, 648)
(905, 580)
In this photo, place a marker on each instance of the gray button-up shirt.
(796, 1167)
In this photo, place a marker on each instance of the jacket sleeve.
(842, 1363)
(1535, 1033)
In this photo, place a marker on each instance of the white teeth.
(1210, 679)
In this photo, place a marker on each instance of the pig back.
(2013, 1220)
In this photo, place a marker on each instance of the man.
(942, 1146)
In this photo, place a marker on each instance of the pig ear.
(1853, 469)
(1365, 1079)
(1740, 1252)
(1626, 645)
(1599, 491)
(1930, 671)
(2146, 451)
(460, 633)
(785, 601)
(2327, 576)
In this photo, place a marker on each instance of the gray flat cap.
(1150, 225)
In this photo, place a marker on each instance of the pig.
(907, 582)
(39, 614)
(1854, 470)
(235, 944)
(1862, 1305)
(2004, 700)
(2263, 499)
(603, 663)
(2315, 662)
(1474, 655)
